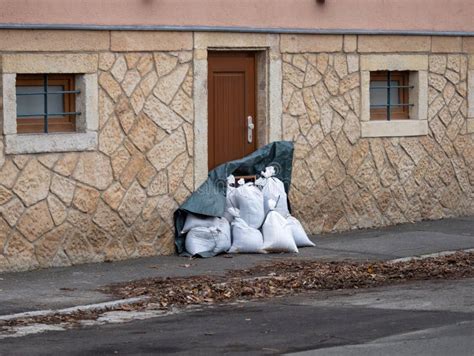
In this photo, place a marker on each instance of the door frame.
(269, 90)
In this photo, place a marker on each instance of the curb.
(431, 255)
(70, 310)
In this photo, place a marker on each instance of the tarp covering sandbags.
(210, 198)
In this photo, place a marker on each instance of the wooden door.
(231, 106)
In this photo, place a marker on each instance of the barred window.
(46, 103)
(389, 95)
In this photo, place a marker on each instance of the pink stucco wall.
(429, 15)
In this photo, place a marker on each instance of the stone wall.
(342, 181)
(116, 202)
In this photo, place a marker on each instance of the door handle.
(250, 127)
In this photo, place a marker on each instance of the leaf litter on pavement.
(292, 277)
(275, 279)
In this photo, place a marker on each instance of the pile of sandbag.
(256, 220)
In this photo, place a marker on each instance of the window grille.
(46, 93)
(395, 85)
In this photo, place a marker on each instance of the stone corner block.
(53, 40)
(470, 125)
(393, 43)
(470, 92)
(471, 62)
(446, 44)
(350, 43)
(204, 40)
(127, 41)
(311, 43)
(374, 62)
(468, 44)
(50, 63)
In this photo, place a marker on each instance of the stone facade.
(117, 201)
(342, 181)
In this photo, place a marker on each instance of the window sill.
(48, 143)
(394, 128)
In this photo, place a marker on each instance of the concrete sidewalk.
(71, 286)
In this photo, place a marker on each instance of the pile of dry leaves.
(291, 277)
(266, 281)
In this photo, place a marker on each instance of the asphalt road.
(425, 318)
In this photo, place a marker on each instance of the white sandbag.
(273, 188)
(299, 235)
(230, 199)
(245, 239)
(224, 240)
(200, 239)
(277, 234)
(193, 221)
(215, 239)
(249, 200)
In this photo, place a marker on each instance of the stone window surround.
(268, 49)
(85, 66)
(417, 65)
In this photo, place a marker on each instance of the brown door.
(231, 106)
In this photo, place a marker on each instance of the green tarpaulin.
(209, 199)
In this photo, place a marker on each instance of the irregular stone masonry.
(342, 181)
(117, 202)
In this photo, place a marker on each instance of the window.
(46, 103)
(389, 97)
(50, 102)
(394, 95)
